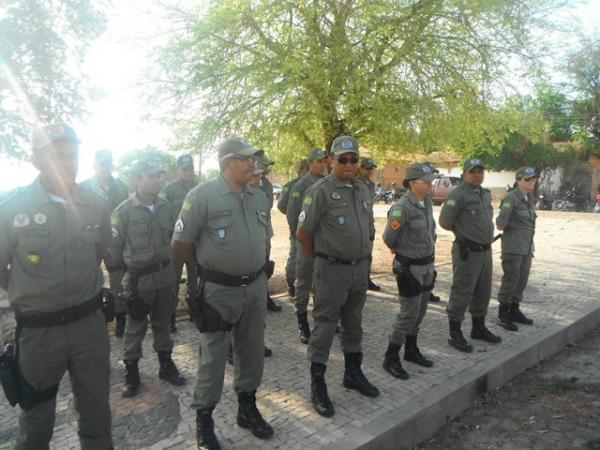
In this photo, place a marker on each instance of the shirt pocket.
(339, 216)
(165, 230)
(91, 233)
(473, 208)
(220, 230)
(139, 235)
(33, 249)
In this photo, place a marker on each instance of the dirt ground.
(554, 405)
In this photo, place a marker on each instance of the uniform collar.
(41, 196)
(135, 201)
(338, 182)
(225, 189)
(411, 198)
(471, 188)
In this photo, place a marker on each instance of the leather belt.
(147, 270)
(229, 280)
(415, 261)
(62, 317)
(333, 259)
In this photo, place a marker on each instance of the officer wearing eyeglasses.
(336, 226)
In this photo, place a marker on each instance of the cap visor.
(428, 177)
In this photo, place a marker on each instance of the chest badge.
(341, 220)
(33, 258)
(335, 196)
(40, 218)
(221, 233)
(21, 221)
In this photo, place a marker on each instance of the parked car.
(277, 189)
(442, 186)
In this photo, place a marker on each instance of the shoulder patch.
(296, 194)
(308, 200)
(395, 225)
(115, 219)
(187, 206)
(451, 202)
(397, 213)
(506, 205)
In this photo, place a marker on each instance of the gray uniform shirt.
(369, 184)
(284, 198)
(175, 193)
(52, 247)
(296, 198)
(267, 187)
(115, 194)
(230, 230)
(340, 218)
(470, 211)
(517, 216)
(410, 228)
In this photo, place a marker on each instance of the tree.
(166, 160)
(42, 44)
(291, 75)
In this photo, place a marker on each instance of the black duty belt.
(415, 261)
(229, 280)
(147, 270)
(473, 246)
(111, 268)
(333, 259)
(62, 317)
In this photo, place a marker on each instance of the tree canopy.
(42, 44)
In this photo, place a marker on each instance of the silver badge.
(302, 217)
(335, 196)
(115, 233)
(221, 233)
(179, 225)
(21, 221)
(341, 220)
(40, 218)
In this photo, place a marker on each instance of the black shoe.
(168, 370)
(205, 430)
(249, 417)
(517, 316)
(173, 326)
(291, 288)
(373, 286)
(120, 322)
(434, 298)
(413, 354)
(504, 318)
(132, 378)
(318, 390)
(480, 331)
(268, 352)
(391, 362)
(456, 339)
(272, 305)
(354, 378)
(303, 328)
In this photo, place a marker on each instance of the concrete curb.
(421, 417)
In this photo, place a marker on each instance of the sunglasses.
(243, 158)
(344, 160)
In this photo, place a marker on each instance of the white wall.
(492, 179)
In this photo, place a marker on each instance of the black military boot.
(268, 352)
(480, 331)
(272, 305)
(132, 378)
(318, 390)
(173, 325)
(354, 378)
(413, 354)
(168, 370)
(517, 316)
(120, 324)
(392, 364)
(205, 430)
(291, 288)
(249, 417)
(373, 286)
(456, 339)
(303, 328)
(504, 319)
(434, 298)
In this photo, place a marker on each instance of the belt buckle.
(245, 280)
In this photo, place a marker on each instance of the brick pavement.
(563, 280)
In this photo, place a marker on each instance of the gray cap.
(470, 164)
(432, 166)
(185, 160)
(47, 134)
(261, 158)
(526, 172)
(368, 163)
(316, 154)
(103, 156)
(419, 171)
(235, 146)
(148, 166)
(344, 144)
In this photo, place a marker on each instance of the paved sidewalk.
(563, 288)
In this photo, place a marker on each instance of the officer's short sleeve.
(506, 208)
(451, 207)
(105, 230)
(314, 206)
(395, 219)
(6, 250)
(192, 217)
(117, 227)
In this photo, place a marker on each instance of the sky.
(116, 62)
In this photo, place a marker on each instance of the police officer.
(366, 171)
(175, 193)
(53, 234)
(224, 225)
(336, 226)
(282, 204)
(141, 227)
(410, 234)
(468, 212)
(517, 221)
(432, 297)
(114, 191)
(264, 163)
(317, 166)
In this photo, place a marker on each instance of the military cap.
(432, 166)
(185, 160)
(316, 154)
(344, 144)
(526, 172)
(148, 166)
(419, 171)
(47, 134)
(232, 147)
(103, 156)
(368, 163)
(470, 164)
(261, 158)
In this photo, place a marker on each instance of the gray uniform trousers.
(246, 308)
(191, 272)
(305, 265)
(82, 348)
(114, 281)
(412, 309)
(290, 265)
(161, 306)
(340, 294)
(514, 280)
(471, 284)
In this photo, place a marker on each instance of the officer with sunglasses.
(336, 226)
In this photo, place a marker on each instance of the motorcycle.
(571, 201)
(543, 202)
(393, 195)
